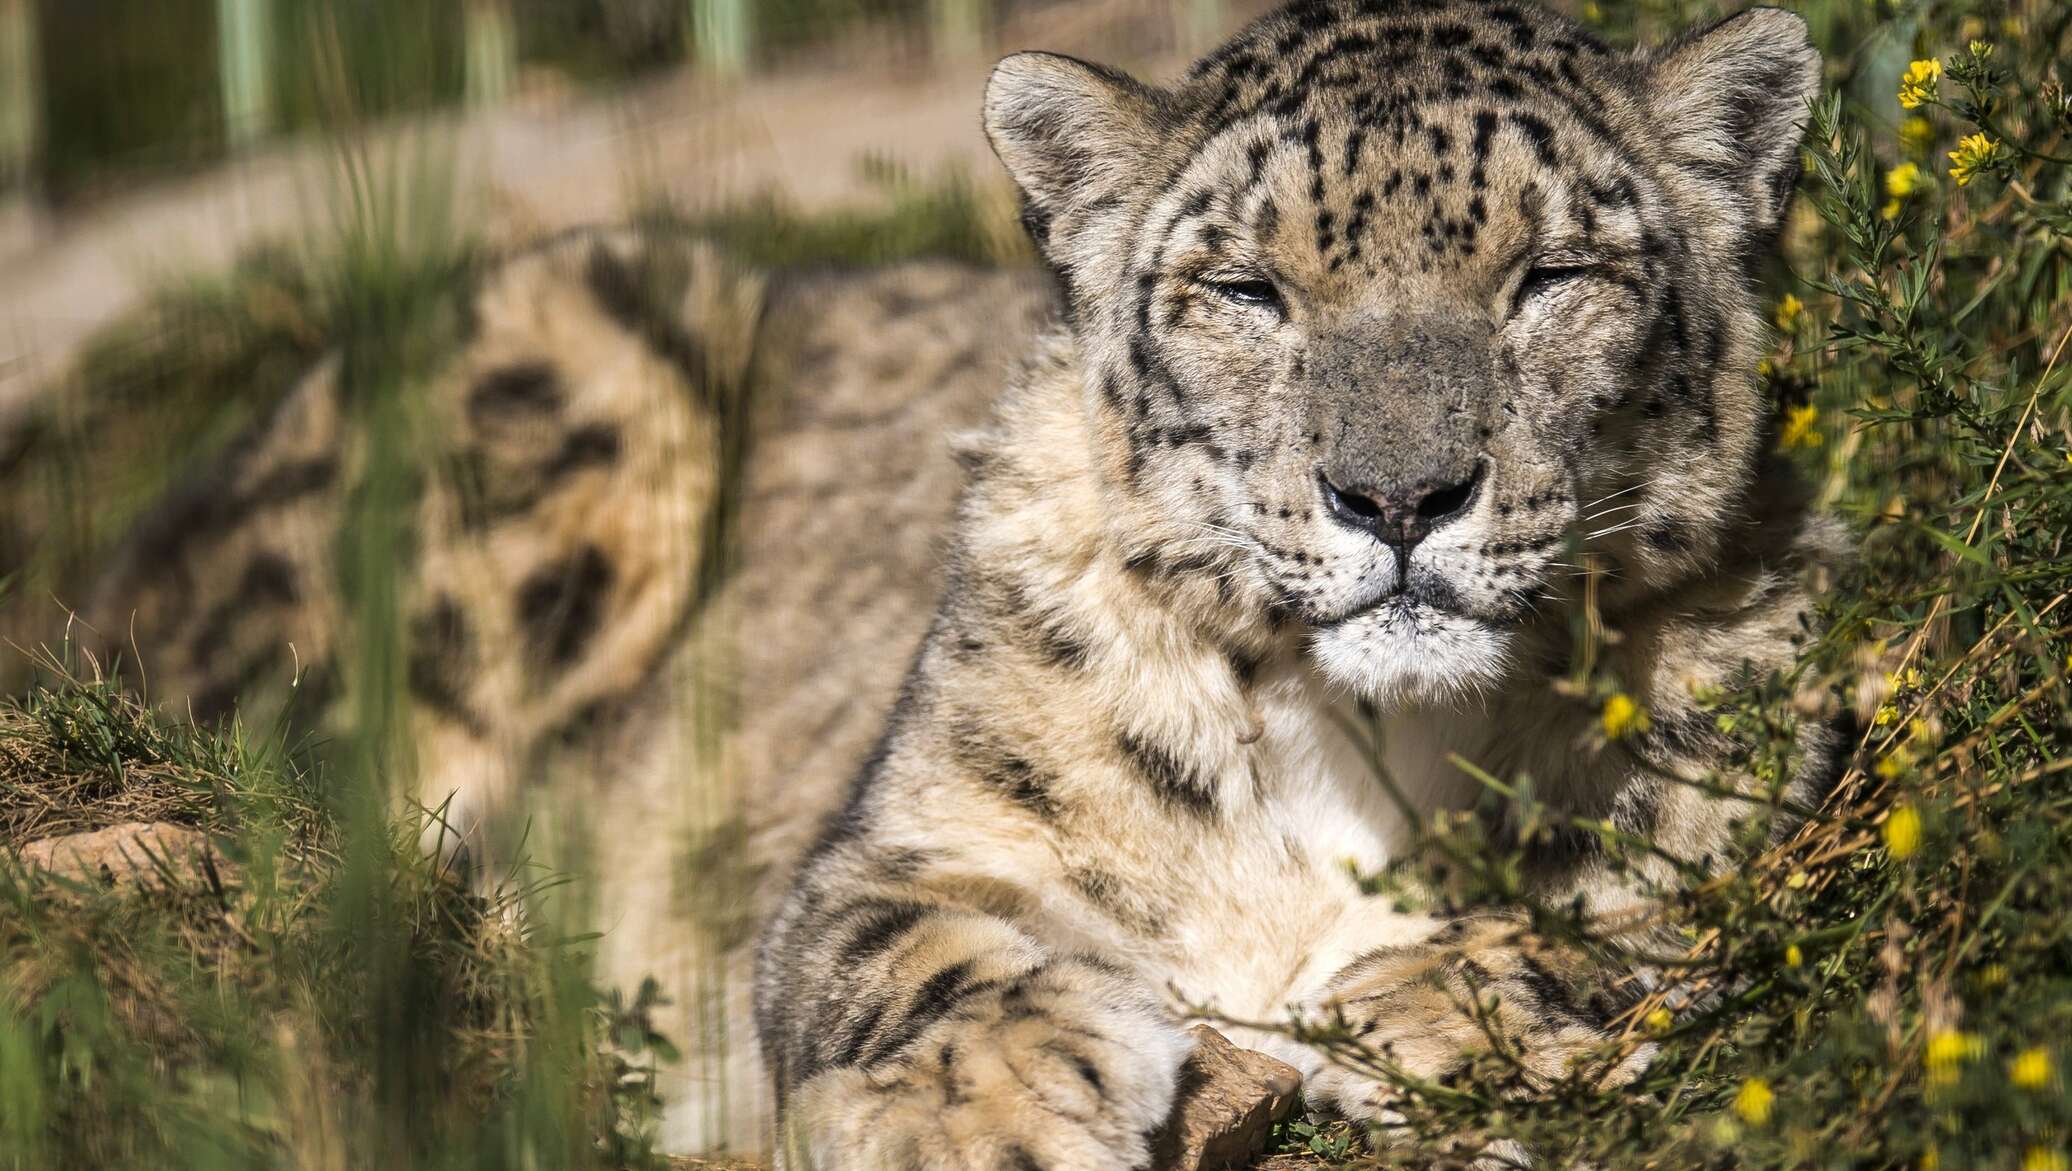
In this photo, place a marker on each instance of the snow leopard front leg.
(909, 1032)
(1639, 817)
(1475, 986)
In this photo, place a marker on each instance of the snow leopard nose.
(1400, 514)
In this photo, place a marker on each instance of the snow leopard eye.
(1542, 279)
(1251, 292)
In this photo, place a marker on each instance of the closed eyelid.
(1557, 258)
(1255, 287)
(1546, 272)
(1232, 269)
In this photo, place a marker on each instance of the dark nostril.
(1364, 507)
(1439, 505)
(1399, 518)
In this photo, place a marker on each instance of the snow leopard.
(1378, 325)
(953, 682)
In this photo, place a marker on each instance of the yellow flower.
(1890, 211)
(1950, 1047)
(1886, 715)
(1793, 957)
(1972, 155)
(1903, 180)
(1948, 1050)
(1752, 1101)
(1981, 49)
(2030, 1069)
(1902, 832)
(1931, 1159)
(1788, 311)
(1657, 1021)
(1917, 134)
(1623, 717)
(1918, 83)
(1766, 367)
(1801, 427)
(2042, 1159)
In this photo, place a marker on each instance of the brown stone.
(131, 851)
(1229, 1099)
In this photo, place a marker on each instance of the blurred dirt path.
(524, 168)
(539, 164)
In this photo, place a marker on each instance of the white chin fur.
(1390, 655)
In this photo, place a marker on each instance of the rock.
(1229, 1097)
(133, 850)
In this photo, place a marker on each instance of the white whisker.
(1615, 495)
(1604, 512)
(1618, 528)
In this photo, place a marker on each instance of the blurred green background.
(126, 89)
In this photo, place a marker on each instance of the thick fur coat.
(1392, 388)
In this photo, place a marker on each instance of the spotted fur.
(569, 459)
(669, 533)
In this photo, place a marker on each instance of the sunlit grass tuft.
(224, 1016)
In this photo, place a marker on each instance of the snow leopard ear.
(1731, 101)
(1069, 133)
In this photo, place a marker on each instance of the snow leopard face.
(1402, 310)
